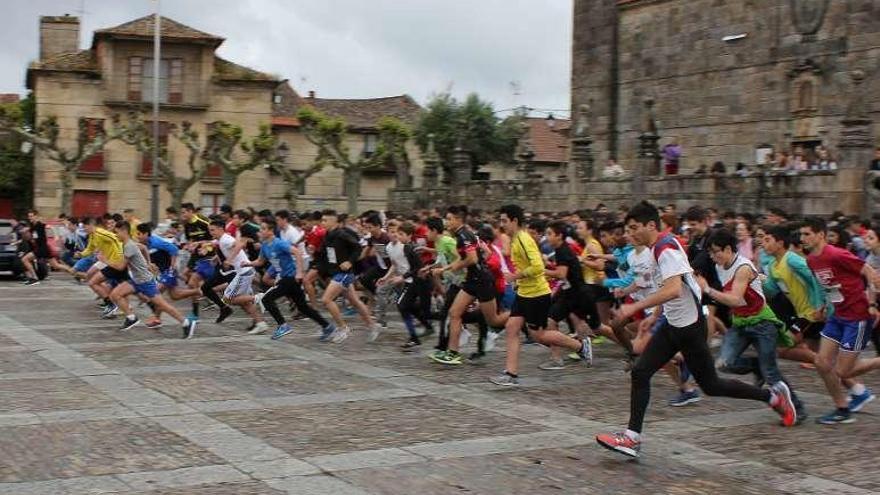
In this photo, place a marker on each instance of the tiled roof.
(9, 98)
(365, 113)
(143, 27)
(290, 102)
(285, 121)
(82, 60)
(550, 144)
(230, 71)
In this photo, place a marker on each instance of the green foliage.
(486, 137)
(16, 167)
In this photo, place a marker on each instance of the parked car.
(8, 249)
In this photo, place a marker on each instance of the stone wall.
(807, 193)
(722, 99)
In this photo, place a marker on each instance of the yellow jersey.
(529, 265)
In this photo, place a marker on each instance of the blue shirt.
(277, 253)
(156, 243)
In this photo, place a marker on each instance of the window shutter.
(135, 73)
(96, 162)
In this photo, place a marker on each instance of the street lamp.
(157, 67)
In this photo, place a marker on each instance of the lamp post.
(157, 67)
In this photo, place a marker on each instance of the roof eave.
(32, 71)
(212, 42)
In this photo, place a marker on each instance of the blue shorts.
(168, 278)
(84, 264)
(205, 269)
(850, 335)
(508, 297)
(149, 289)
(344, 279)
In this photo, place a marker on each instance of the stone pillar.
(526, 165)
(461, 166)
(430, 174)
(648, 161)
(581, 145)
(856, 152)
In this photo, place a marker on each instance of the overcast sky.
(511, 52)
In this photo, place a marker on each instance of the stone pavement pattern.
(85, 408)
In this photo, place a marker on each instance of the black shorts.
(810, 330)
(480, 287)
(534, 310)
(599, 293)
(114, 275)
(576, 303)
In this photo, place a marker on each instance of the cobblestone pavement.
(85, 408)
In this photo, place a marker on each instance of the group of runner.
(661, 292)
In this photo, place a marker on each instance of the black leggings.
(289, 286)
(415, 301)
(218, 279)
(691, 342)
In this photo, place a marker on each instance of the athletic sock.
(633, 435)
(857, 389)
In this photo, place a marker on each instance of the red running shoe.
(619, 442)
(780, 401)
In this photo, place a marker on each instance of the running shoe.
(340, 335)
(857, 402)
(373, 333)
(258, 300)
(505, 380)
(573, 356)
(491, 337)
(586, 352)
(476, 358)
(780, 401)
(620, 442)
(225, 311)
(281, 331)
(189, 328)
(685, 398)
(130, 322)
(32, 281)
(599, 340)
(552, 365)
(411, 346)
(327, 332)
(350, 311)
(258, 328)
(447, 357)
(153, 323)
(837, 417)
(110, 312)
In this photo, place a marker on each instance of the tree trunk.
(352, 188)
(66, 189)
(230, 180)
(177, 193)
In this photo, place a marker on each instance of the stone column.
(856, 150)
(648, 162)
(461, 166)
(430, 174)
(581, 145)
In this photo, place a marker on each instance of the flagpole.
(157, 68)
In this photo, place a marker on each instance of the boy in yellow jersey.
(107, 246)
(532, 303)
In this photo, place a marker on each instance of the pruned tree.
(328, 135)
(136, 133)
(45, 136)
(224, 139)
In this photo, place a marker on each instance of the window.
(211, 203)
(95, 164)
(147, 158)
(370, 143)
(140, 79)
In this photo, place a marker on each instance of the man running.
(846, 332)
(684, 330)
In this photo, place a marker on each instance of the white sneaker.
(491, 337)
(258, 300)
(464, 338)
(340, 335)
(374, 333)
(260, 328)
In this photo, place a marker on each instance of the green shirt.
(447, 253)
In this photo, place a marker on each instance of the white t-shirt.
(398, 258)
(683, 310)
(227, 245)
(297, 238)
(643, 267)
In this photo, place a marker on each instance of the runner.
(845, 334)
(684, 330)
(414, 302)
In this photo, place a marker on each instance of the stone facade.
(727, 76)
(96, 83)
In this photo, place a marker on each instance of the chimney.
(58, 34)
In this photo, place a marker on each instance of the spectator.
(672, 156)
(745, 243)
(741, 169)
(718, 168)
(702, 170)
(613, 170)
(824, 161)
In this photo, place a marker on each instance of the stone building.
(116, 73)
(729, 77)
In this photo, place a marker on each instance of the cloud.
(355, 48)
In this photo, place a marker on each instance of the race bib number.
(331, 255)
(834, 295)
